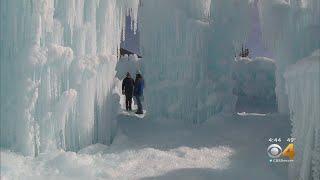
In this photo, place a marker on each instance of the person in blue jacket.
(138, 91)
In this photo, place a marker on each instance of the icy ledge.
(303, 88)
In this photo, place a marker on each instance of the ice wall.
(291, 31)
(254, 84)
(58, 60)
(230, 25)
(303, 88)
(188, 47)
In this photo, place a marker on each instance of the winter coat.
(138, 87)
(128, 86)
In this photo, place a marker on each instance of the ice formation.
(303, 87)
(59, 63)
(254, 84)
(58, 60)
(128, 63)
(291, 30)
(186, 46)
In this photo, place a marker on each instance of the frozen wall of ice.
(254, 84)
(188, 47)
(230, 25)
(303, 88)
(58, 60)
(291, 30)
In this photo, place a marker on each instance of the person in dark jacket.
(127, 90)
(138, 91)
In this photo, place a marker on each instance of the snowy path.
(232, 148)
(241, 142)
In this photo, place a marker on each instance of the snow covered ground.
(226, 147)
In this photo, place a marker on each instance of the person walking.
(138, 91)
(127, 90)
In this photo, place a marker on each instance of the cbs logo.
(275, 151)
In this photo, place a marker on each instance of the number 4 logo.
(289, 151)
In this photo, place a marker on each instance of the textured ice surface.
(53, 47)
(129, 64)
(291, 30)
(58, 61)
(254, 84)
(303, 87)
(188, 47)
